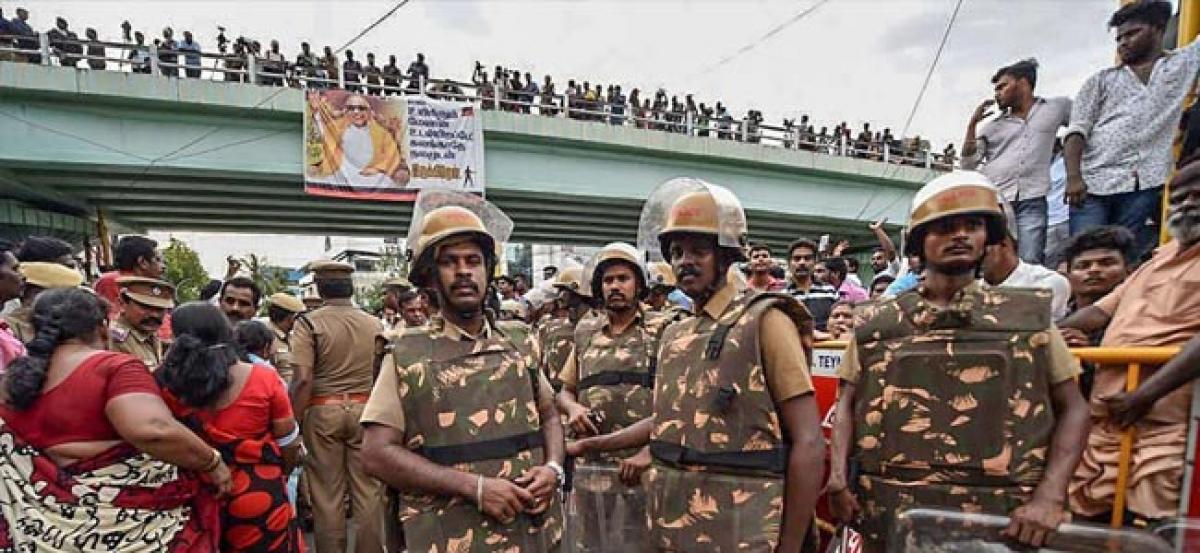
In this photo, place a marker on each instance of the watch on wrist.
(558, 471)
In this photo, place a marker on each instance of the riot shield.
(1182, 534)
(605, 515)
(932, 530)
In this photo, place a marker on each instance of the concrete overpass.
(150, 152)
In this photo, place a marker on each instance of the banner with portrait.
(389, 148)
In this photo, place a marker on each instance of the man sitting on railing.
(1159, 305)
(63, 42)
(19, 26)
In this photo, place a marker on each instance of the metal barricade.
(932, 530)
(1134, 358)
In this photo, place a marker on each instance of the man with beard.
(333, 354)
(734, 433)
(1158, 305)
(956, 396)
(607, 385)
(239, 299)
(557, 335)
(39, 276)
(461, 421)
(145, 303)
(1118, 146)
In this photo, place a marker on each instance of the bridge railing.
(272, 69)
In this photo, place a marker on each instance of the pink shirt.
(850, 292)
(10, 347)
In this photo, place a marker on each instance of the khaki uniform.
(720, 456)
(955, 409)
(613, 376)
(556, 339)
(445, 390)
(20, 321)
(337, 343)
(281, 353)
(126, 338)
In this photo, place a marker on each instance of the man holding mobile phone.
(1015, 149)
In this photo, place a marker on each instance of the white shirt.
(1129, 125)
(1028, 275)
(357, 150)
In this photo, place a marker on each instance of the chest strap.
(770, 460)
(499, 448)
(613, 378)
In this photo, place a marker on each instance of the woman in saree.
(244, 411)
(91, 458)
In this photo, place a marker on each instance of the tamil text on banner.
(389, 148)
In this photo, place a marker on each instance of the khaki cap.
(148, 291)
(400, 282)
(287, 302)
(327, 268)
(50, 275)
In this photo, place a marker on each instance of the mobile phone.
(823, 245)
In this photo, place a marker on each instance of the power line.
(932, 66)
(766, 36)
(269, 97)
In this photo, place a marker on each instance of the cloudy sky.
(848, 60)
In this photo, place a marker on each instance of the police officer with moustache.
(333, 354)
(734, 433)
(462, 422)
(956, 396)
(145, 302)
(608, 382)
(556, 336)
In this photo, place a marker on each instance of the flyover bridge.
(147, 152)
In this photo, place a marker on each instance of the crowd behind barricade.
(245, 59)
(680, 388)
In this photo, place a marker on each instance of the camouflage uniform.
(470, 404)
(21, 323)
(615, 376)
(952, 406)
(720, 456)
(556, 339)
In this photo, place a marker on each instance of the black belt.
(770, 460)
(500, 448)
(613, 378)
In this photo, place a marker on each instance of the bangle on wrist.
(212, 463)
(479, 493)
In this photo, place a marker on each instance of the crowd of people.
(680, 388)
(506, 89)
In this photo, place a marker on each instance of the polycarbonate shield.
(494, 221)
(932, 530)
(727, 222)
(1183, 534)
(605, 515)
(611, 251)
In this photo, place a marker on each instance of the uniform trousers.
(334, 468)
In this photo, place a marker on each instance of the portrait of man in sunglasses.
(359, 143)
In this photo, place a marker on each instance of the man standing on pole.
(735, 433)
(462, 422)
(956, 396)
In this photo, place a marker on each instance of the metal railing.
(273, 69)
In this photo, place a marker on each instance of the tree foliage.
(184, 270)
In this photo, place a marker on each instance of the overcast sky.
(848, 60)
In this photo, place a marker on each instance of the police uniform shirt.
(281, 353)
(569, 374)
(1063, 365)
(384, 406)
(784, 363)
(125, 338)
(338, 347)
(20, 321)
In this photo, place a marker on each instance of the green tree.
(184, 270)
(269, 278)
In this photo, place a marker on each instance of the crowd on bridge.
(245, 59)
(681, 388)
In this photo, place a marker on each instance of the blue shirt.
(193, 46)
(20, 27)
(1058, 211)
(677, 297)
(906, 282)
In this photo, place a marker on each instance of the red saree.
(120, 500)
